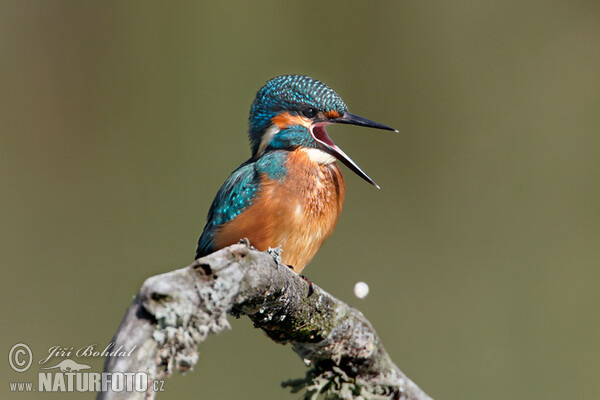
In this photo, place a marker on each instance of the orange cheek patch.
(285, 119)
(332, 114)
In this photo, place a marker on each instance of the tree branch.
(174, 312)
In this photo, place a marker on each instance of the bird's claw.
(310, 285)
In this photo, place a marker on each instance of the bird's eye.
(309, 112)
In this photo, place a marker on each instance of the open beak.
(329, 146)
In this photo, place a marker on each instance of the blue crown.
(289, 93)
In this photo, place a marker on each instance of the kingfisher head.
(291, 111)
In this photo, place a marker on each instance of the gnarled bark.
(174, 312)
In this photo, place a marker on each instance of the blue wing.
(236, 194)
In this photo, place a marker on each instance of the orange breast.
(297, 213)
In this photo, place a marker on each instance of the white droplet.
(361, 290)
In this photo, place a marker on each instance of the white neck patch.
(319, 156)
(266, 138)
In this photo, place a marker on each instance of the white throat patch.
(319, 156)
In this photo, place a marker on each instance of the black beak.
(352, 119)
(328, 145)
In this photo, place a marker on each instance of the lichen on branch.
(174, 312)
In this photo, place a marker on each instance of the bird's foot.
(310, 285)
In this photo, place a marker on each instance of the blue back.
(238, 193)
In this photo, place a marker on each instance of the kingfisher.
(290, 193)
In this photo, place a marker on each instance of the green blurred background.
(119, 122)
